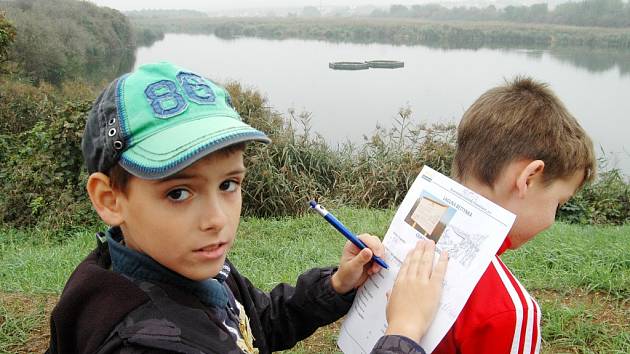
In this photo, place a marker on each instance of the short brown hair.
(522, 119)
(119, 177)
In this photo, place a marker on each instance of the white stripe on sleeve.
(527, 347)
(518, 307)
(539, 336)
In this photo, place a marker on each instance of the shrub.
(22, 105)
(7, 36)
(43, 174)
(43, 182)
(284, 175)
(605, 201)
(65, 39)
(387, 164)
(145, 37)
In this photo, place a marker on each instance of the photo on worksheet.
(430, 215)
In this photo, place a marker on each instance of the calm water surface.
(437, 84)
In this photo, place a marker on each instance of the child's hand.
(355, 266)
(416, 293)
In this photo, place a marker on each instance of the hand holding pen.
(356, 256)
(344, 230)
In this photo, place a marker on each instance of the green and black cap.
(160, 119)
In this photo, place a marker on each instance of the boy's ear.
(531, 173)
(104, 199)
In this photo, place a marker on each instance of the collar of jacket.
(136, 265)
(504, 246)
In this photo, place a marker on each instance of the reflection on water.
(591, 59)
(595, 60)
(437, 84)
(106, 69)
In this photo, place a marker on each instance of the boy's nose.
(214, 216)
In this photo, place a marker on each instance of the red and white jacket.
(499, 317)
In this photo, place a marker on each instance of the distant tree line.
(147, 35)
(599, 13)
(68, 39)
(441, 34)
(163, 13)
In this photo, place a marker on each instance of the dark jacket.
(101, 311)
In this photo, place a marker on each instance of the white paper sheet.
(468, 226)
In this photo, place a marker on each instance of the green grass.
(14, 329)
(592, 258)
(34, 263)
(579, 274)
(273, 251)
(585, 326)
(23, 322)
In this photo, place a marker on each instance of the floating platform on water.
(385, 64)
(362, 65)
(348, 65)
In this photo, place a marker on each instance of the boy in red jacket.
(518, 146)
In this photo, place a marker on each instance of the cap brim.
(171, 150)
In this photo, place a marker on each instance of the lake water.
(437, 84)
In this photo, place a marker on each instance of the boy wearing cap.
(518, 146)
(164, 149)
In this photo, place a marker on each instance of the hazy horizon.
(230, 5)
(202, 5)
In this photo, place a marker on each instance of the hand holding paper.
(415, 296)
(470, 227)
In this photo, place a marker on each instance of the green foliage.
(397, 31)
(285, 175)
(299, 166)
(382, 170)
(601, 13)
(145, 37)
(165, 13)
(22, 105)
(605, 201)
(66, 39)
(43, 178)
(7, 36)
(43, 175)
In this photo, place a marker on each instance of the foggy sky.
(210, 5)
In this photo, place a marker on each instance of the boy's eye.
(178, 195)
(228, 186)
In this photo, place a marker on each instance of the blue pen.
(344, 231)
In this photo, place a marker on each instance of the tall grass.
(43, 174)
(297, 167)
